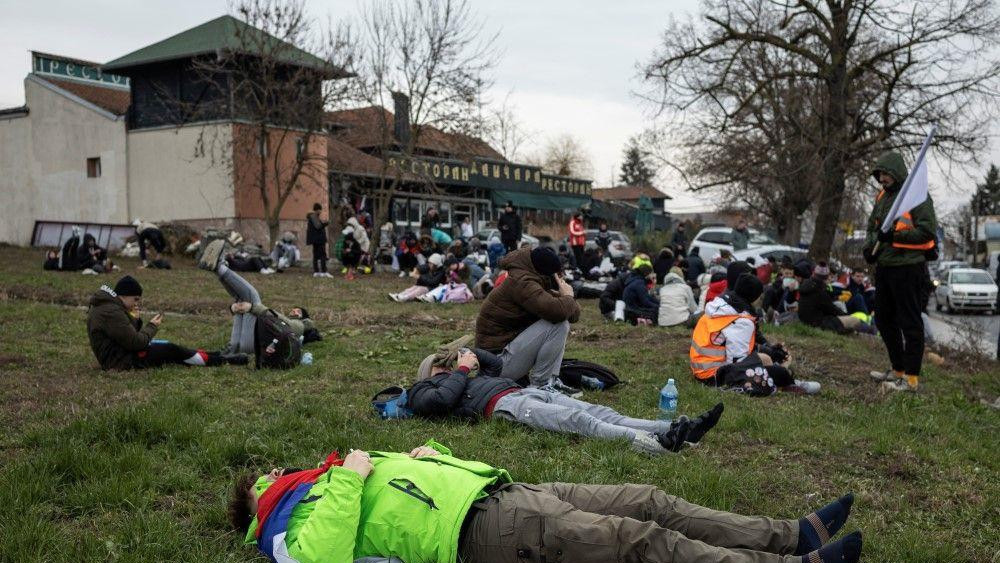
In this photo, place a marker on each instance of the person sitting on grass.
(525, 319)
(471, 387)
(728, 352)
(428, 277)
(640, 307)
(248, 306)
(816, 306)
(428, 505)
(121, 342)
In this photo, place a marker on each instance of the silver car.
(485, 235)
(966, 289)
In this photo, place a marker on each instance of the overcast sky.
(571, 64)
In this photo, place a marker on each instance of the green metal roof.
(224, 33)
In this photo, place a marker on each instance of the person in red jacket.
(577, 236)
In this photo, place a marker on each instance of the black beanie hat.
(749, 287)
(128, 287)
(804, 269)
(545, 261)
(305, 315)
(734, 270)
(643, 271)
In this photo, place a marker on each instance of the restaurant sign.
(482, 173)
(60, 67)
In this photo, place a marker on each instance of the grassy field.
(135, 466)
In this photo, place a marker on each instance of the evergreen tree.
(987, 198)
(636, 170)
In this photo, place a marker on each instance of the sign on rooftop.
(55, 66)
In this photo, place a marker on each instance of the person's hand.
(156, 320)
(359, 462)
(467, 360)
(424, 451)
(241, 307)
(564, 288)
(886, 236)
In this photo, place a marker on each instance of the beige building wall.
(168, 181)
(43, 164)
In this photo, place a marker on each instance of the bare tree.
(274, 82)
(504, 130)
(882, 71)
(434, 57)
(564, 155)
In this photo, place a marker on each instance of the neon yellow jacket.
(409, 508)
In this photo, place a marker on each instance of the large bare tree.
(564, 155)
(880, 73)
(435, 57)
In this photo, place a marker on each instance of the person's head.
(317, 207)
(578, 215)
(435, 261)
(803, 270)
(787, 271)
(890, 171)
(735, 270)
(465, 218)
(821, 271)
(645, 271)
(129, 291)
(695, 251)
(751, 260)
(246, 492)
(509, 208)
(51, 255)
(432, 211)
(680, 227)
(725, 254)
(858, 276)
(772, 260)
(741, 224)
(545, 261)
(604, 226)
(427, 369)
(299, 313)
(748, 287)
(666, 254)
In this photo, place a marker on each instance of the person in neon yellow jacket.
(429, 506)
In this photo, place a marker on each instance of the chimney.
(401, 126)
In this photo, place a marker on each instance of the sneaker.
(343, 270)
(267, 271)
(809, 387)
(426, 298)
(394, 297)
(897, 385)
(887, 375)
(402, 274)
(675, 438)
(326, 275)
(89, 272)
(646, 443)
(213, 253)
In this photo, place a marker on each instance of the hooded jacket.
(316, 228)
(115, 335)
(636, 296)
(298, 326)
(509, 225)
(816, 306)
(924, 219)
(525, 297)
(360, 234)
(739, 335)
(409, 508)
(676, 301)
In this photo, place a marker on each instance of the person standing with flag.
(901, 239)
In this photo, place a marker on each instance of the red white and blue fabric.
(275, 506)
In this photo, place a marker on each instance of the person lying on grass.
(120, 341)
(428, 505)
(248, 306)
(470, 387)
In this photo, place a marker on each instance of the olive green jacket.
(924, 219)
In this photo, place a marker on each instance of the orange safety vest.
(707, 354)
(905, 223)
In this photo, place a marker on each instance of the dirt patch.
(12, 361)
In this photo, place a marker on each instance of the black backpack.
(572, 371)
(287, 347)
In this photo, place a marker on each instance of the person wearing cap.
(509, 225)
(728, 351)
(427, 505)
(900, 257)
(428, 276)
(526, 319)
(120, 341)
(468, 384)
(816, 307)
(640, 306)
(148, 232)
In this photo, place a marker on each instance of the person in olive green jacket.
(429, 506)
(901, 276)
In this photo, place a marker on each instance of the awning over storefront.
(532, 200)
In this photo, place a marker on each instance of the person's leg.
(539, 412)
(780, 375)
(885, 317)
(849, 322)
(537, 352)
(528, 523)
(161, 352)
(908, 298)
(601, 413)
(412, 292)
(241, 337)
(143, 237)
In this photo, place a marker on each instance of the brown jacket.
(114, 334)
(523, 298)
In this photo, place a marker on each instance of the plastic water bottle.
(592, 383)
(668, 400)
(272, 347)
(307, 358)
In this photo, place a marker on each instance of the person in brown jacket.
(526, 319)
(120, 341)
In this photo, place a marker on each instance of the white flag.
(914, 190)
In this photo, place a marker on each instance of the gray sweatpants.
(548, 410)
(537, 352)
(244, 324)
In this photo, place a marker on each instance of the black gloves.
(885, 236)
(870, 257)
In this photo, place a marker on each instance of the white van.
(711, 240)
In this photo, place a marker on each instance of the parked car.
(485, 235)
(620, 249)
(760, 254)
(939, 270)
(966, 289)
(712, 240)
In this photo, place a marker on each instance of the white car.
(760, 254)
(712, 240)
(966, 289)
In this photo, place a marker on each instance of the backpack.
(391, 403)
(457, 293)
(287, 350)
(572, 372)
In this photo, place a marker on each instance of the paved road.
(957, 329)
